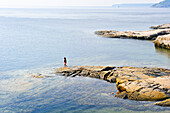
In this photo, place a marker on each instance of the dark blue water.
(36, 40)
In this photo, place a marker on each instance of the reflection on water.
(162, 51)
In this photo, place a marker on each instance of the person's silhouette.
(65, 61)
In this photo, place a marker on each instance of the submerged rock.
(163, 26)
(135, 83)
(37, 75)
(163, 41)
(146, 35)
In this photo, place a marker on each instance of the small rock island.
(134, 83)
(160, 35)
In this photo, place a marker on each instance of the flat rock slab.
(135, 83)
(91, 71)
(145, 35)
(163, 26)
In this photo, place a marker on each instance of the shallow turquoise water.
(36, 40)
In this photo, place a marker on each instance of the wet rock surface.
(135, 83)
(163, 41)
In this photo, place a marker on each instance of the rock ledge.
(163, 41)
(145, 35)
(161, 35)
(135, 83)
(163, 26)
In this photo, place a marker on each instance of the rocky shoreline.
(158, 34)
(145, 35)
(134, 83)
(163, 26)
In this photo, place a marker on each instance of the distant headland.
(133, 5)
(163, 4)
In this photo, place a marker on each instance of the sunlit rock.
(163, 26)
(164, 103)
(145, 35)
(135, 83)
(163, 41)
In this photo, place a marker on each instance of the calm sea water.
(36, 40)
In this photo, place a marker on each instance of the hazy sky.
(55, 3)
